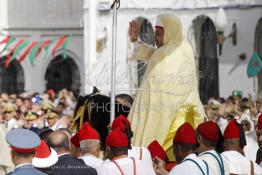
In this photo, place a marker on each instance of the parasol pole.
(114, 6)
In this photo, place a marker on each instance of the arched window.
(62, 73)
(206, 41)
(11, 78)
(258, 46)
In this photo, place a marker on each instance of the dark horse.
(95, 109)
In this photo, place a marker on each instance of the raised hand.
(133, 31)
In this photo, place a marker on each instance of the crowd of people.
(221, 137)
(37, 129)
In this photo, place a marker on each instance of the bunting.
(32, 49)
(9, 57)
(58, 44)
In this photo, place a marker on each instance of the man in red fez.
(207, 138)
(235, 141)
(75, 145)
(140, 153)
(259, 140)
(157, 151)
(89, 141)
(184, 150)
(120, 163)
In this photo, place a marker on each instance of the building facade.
(36, 20)
(219, 74)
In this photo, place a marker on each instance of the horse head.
(95, 109)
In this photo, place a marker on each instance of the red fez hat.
(44, 156)
(170, 165)
(87, 132)
(156, 149)
(117, 138)
(75, 140)
(259, 122)
(209, 130)
(121, 122)
(232, 130)
(185, 134)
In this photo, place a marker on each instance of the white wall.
(246, 20)
(38, 20)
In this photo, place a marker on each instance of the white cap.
(159, 22)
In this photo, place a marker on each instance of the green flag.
(254, 65)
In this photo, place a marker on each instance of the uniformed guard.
(234, 155)
(120, 163)
(23, 144)
(207, 137)
(90, 146)
(138, 152)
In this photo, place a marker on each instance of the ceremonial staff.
(114, 6)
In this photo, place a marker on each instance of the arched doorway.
(258, 46)
(146, 34)
(11, 78)
(62, 73)
(206, 41)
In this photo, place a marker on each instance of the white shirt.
(190, 168)
(127, 166)
(56, 126)
(141, 153)
(91, 160)
(251, 148)
(12, 124)
(239, 164)
(213, 163)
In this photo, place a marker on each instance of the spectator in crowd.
(52, 120)
(66, 164)
(259, 141)
(23, 143)
(31, 118)
(89, 140)
(248, 125)
(125, 99)
(9, 116)
(6, 164)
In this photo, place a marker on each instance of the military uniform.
(23, 141)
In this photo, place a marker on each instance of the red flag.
(5, 40)
(43, 45)
(58, 44)
(8, 60)
(28, 49)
